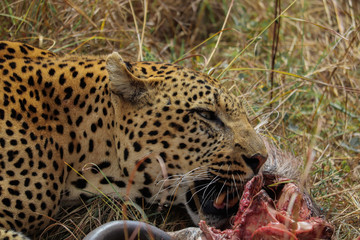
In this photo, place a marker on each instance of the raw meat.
(272, 207)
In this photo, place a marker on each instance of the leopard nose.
(255, 162)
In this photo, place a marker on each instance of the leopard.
(74, 126)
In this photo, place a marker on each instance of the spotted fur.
(63, 115)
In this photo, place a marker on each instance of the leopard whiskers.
(235, 186)
(175, 181)
(241, 179)
(204, 186)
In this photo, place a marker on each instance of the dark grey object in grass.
(127, 230)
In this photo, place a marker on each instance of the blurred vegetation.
(309, 106)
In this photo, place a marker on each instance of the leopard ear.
(122, 81)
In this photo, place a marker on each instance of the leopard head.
(187, 123)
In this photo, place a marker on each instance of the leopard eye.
(209, 115)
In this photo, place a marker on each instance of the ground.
(308, 105)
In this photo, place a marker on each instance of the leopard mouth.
(213, 200)
(224, 201)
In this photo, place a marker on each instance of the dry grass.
(310, 108)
